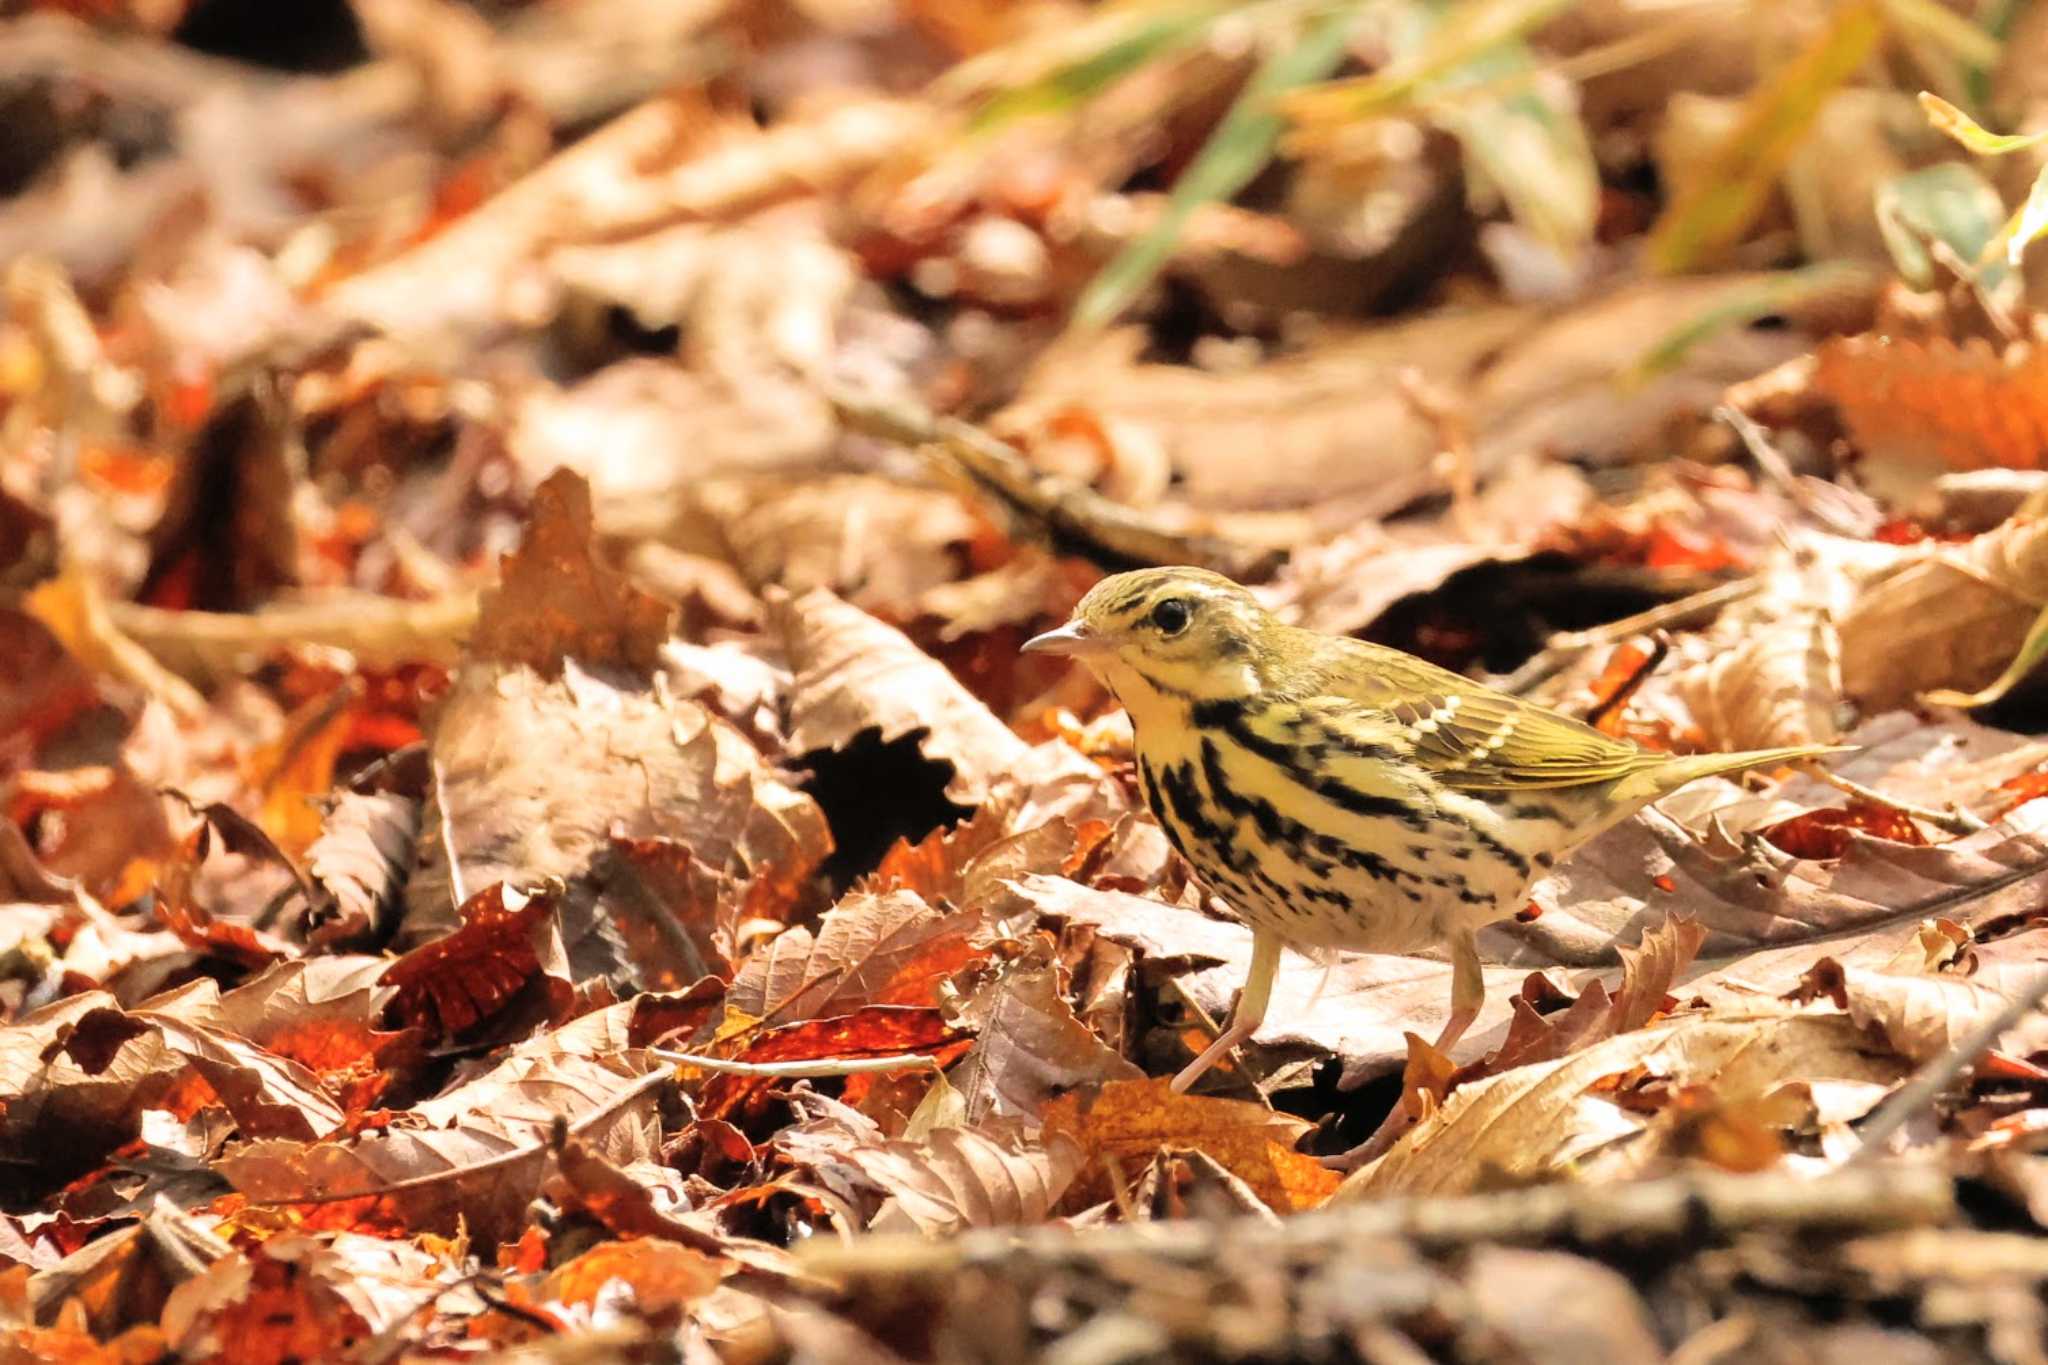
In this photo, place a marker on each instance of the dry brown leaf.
(887, 949)
(268, 1095)
(361, 859)
(1333, 418)
(1937, 406)
(624, 428)
(46, 1097)
(1924, 1015)
(1648, 972)
(610, 1193)
(1122, 1126)
(1551, 1307)
(881, 544)
(542, 760)
(1345, 584)
(1780, 684)
(1031, 1045)
(537, 777)
(508, 937)
(675, 918)
(958, 1178)
(479, 1151)
(1767, 913)
(556, 602)
(1535, 1121)
(77, 1073)
(663, 161)
(1341, 434)
(664, 1276)
(303, 1292)
(1948, 616)
(854, 673)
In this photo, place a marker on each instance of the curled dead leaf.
(1535, 1121)
(1122, 1125)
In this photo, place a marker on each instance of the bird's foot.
(1373, 1148)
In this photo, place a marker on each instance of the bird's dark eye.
(1171, 616)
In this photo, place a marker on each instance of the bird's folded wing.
(1469, 736)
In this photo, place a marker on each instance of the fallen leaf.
(1925, 1015)
(555, 601)
(508, 938)
(1534, 1122)
(888, 949)
(269, 1096)
(477, 1152)
(1947, 616)
(1122, 1125)
(1358, 1008)
(361, 860)
(664, 1276)
(956, 1179)
(1030, 1045)
(854, 673)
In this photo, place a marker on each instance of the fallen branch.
(1072, 516)
(1954, 820)
(796, 1070)
(1677, 1209)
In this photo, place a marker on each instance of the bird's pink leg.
(1468, 992)
(1246, 1018)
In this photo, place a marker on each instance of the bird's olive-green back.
(1466, 735)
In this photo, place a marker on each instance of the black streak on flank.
(1229, 715)
(1500, 850)
(1149, 785)
(1274, 827)
(1190, 820)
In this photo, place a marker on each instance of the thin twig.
(1936, 1076)
(1067, 512)
(1660, 650)
(1566, 646)
(820, 1066)
(1779, 471)
(1453, 429)
(1954, 820)
(455, 887)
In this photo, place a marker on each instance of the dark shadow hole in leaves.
(637, 338)
(1495, 616)
(1348, 1117)
(320, 36)
(873, 794)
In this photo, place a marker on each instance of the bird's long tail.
(1656, 780)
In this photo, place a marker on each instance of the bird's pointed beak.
(1072, 639)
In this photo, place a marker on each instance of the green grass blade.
(2030, 222)
(1467, 32)
(2032, 651)
(1941, 27)
(1234, 154)
(1776, 294)
(1964, 129)
(1528, 145)
(1118, 44)
(1713, 212)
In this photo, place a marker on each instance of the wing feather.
(1473, 737)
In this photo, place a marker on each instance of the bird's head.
(1167, 635)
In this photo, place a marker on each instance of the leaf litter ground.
(527, 831)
